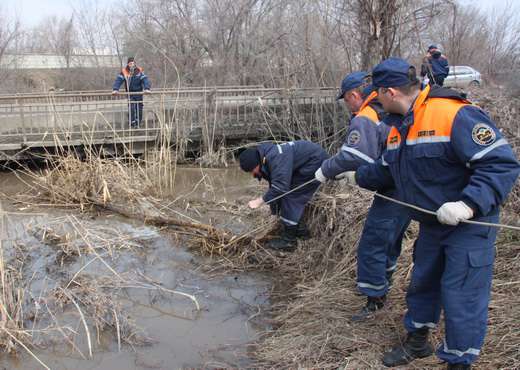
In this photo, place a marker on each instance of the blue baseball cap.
(392, 72)
(433, 46)
(368, 90)
(351, 81)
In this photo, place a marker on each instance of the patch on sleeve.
(354, 138)
(483, 134)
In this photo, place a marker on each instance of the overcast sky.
(31, 12)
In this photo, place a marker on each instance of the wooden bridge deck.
(37, 123)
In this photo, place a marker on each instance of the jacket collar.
(126, 73)
(367, 100)
(421, 98)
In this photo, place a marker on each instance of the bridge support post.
(22, 119)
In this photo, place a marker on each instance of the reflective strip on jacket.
(445, 150)
(365, 140)
(285, 166)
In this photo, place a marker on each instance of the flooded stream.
(172, 333)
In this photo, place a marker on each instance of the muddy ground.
(138, 267)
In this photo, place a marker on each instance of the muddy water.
(180, 337)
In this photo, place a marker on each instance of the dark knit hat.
(249, 159)
(130, 59)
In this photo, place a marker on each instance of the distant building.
(48, 61)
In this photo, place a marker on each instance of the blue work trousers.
(453, 268)
(380, 246)
(135, 107)
(290, 208)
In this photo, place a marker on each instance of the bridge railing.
(31, 120)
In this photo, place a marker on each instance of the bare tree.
(9, 33)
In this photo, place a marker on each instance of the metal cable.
(417, 208)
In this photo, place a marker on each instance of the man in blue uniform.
(285, 166)
(380, 243)
(435, 66)
(446, 156)
(135, 81)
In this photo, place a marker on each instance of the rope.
(417, 208)
(427, 211)
(290, 191)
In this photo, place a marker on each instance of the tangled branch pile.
(110, 185)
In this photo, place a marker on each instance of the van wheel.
(474, 83)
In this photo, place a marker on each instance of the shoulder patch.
(483, 134)
(353, 138)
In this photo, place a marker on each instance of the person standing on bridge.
(380, 243)
(285, 166)
(446, 156)
(135, 81)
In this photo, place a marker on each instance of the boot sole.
(410, 357)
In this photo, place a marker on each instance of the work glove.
(115, 92)
(255, 203)
(318, 175)
(147, 91)
(451, 213)
(349, 176)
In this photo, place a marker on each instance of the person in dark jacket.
(380, 243)
(447, 156)
(135, 81)
(435, 66)
(285, 166)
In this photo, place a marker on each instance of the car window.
(464, 71)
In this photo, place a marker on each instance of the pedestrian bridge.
(35, 124)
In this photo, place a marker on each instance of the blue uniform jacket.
(288, 165)
(133, 82)
(439, 66)
(474, 163)
(364, 143)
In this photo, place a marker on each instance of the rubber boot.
(286, 241)
(458, 366)
(415, 346)
(303, 232)
(373, 304)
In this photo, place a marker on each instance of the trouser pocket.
(480, 269)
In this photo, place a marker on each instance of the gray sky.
(31, 12)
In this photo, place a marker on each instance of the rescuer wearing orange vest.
(135, 81)
(380, 243)
(445, 155)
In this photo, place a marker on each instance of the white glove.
(318, 175)
(349, 176)
(451, 213)
(147, 92)
(255, 203)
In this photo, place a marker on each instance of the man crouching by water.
(285, 166)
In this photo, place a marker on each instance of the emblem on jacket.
(483, 134)
(354, 138)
